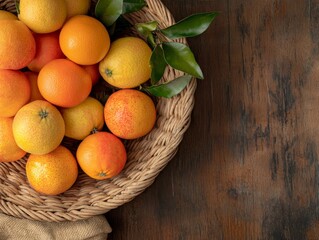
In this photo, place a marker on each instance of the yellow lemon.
(83, 119)
(43, 16)
(38, 127)
(126, 65)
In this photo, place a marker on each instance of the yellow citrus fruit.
(84, 40)
(38, 127)
(15, 92)
(127, 63)
(83, 119)
(9, 150)
(7, 15)
(129, 113)
(64, 83)
(101, 155)
(35, 93)
(17, 45)
(52, 173)
(77, 7)
(43, 16)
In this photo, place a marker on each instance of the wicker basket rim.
(147, 156)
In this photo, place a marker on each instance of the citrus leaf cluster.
(165, 51)
(108, 11)
(177, 55)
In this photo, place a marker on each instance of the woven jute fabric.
(147, 156)
(94, 228)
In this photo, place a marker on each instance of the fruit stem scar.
(108, 72)
(94, 130)
(102, 174)
(43, 113)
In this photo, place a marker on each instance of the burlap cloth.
(94, 228)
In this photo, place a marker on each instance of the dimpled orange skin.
(52, 173)
(15, 91)
(5, 15)
(101, 155)
(47, 49)
(9, 150)
(127, 64)
(84, 40)
(38, 127)
(83, 119)
(129, 113)
(35, 93)
(17, 44)
(94, 72)
(43, 16)
(64, 83)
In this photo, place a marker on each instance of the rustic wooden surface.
(248, 167)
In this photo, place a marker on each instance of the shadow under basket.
(147, 156)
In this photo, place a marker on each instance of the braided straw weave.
(147, 156)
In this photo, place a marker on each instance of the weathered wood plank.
(248, 167)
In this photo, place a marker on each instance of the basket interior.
(147, 156)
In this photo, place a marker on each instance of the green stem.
(43, 114)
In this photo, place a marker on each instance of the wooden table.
(248, 166)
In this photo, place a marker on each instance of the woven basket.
(147, 156)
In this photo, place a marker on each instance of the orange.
(64, 83)
(129, 113)
(35, 93)
(7, 15)
(52, 173)
(14, 92)
(47, 49)
(83, 119)
(93, 70)
(101, 155)
(17, 45)
(9, 150)
(84, 40)
(38, 127)
(43, 16)
(77, 7)
(127, 64)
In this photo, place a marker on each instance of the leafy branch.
(109, 11)
(165, 52)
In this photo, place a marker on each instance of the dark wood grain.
(248, 167)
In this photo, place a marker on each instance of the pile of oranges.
(52, 54)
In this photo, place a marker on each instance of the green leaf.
(132, 5)
(151, 40)
(108, 11)
(146, 28)
(111, 29)
(17, 5)
(169, 89)
(180, 57)
(158, 64)
(191, 26)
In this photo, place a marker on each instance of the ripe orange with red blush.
(101, 155)
(129, 113)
